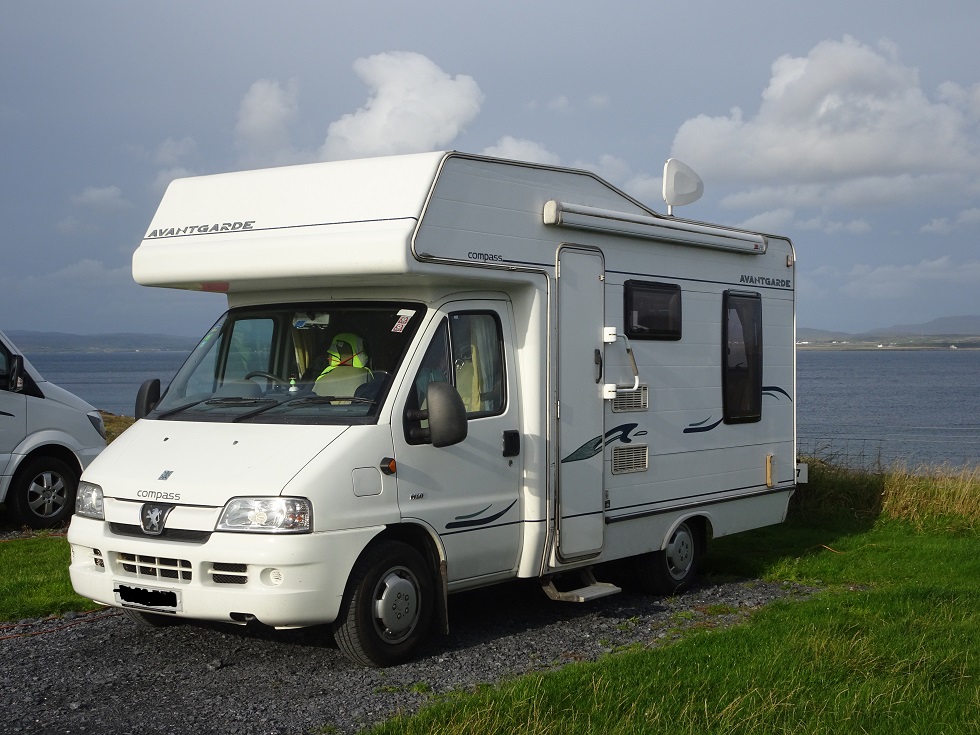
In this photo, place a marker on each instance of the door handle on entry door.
(512, 443)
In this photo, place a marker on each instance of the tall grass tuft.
(938, 498)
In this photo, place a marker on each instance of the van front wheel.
(42, 493)
(387, 608)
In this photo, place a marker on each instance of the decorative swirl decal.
(592, 447)
(470, 521)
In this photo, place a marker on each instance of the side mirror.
(447, 415)
(147, 397)
(15, 383)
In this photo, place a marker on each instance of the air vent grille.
(630, 458)
(632, 400)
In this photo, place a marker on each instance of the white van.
(437, 372)
(47, 437)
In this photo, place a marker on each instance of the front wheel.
(673, 568)
(42, 493)
(388, 605)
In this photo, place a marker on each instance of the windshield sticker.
(404, 317)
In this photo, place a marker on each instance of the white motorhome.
(47, 437)
(437, 372)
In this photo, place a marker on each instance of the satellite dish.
(681, 185)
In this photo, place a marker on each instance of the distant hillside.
(947, 325)
(62, 342)
(959, 331)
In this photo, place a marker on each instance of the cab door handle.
(512, 443)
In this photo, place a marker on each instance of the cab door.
(466, 493)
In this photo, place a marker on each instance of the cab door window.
(466, 351)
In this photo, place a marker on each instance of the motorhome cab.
(437, 372)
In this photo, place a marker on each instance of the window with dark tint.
(741, 379)
(653, 310)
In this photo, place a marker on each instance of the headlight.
(88, 501)
(266, 515)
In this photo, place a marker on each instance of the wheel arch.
(424, 540)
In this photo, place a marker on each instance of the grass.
(35, 580)
(889, 644)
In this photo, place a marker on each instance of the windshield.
(310, 363)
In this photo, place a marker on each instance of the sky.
(851, 127)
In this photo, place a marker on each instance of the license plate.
(148, 598)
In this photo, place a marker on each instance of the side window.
(741, 378)
(478, 364)
(652, 310)
(467, 351)
(4, 367)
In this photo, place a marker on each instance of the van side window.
(653, 310)
(4, 367)
(741, 382)
(467, 351)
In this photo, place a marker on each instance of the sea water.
(860, 407)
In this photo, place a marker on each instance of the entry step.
(592, 590)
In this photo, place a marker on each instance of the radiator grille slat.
(155, 567)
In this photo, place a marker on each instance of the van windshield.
(311, 363)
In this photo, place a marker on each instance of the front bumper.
(283, 581)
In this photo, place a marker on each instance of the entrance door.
(580, 412)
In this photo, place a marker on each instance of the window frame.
(633, 291)
(742, 391)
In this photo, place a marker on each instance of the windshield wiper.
(231, 401)
(315, 400)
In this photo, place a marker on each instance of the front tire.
(42, 494)
(674, 568)
(387, 608)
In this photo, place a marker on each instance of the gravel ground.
(100, 673)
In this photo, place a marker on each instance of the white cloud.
(172, 151)
(106, 198)
(264, 116)
(865, 282)
(844, 112)
(522, 150)
(413, 106)
(943, 225)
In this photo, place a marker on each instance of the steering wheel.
(264, 374)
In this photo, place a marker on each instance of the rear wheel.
(42, 493)
(387, 609)
(673, 568)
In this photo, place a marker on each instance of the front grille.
(224, 573)
(169, 534)
(155, 567)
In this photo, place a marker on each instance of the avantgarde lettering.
(766, 281)
(200, 229)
